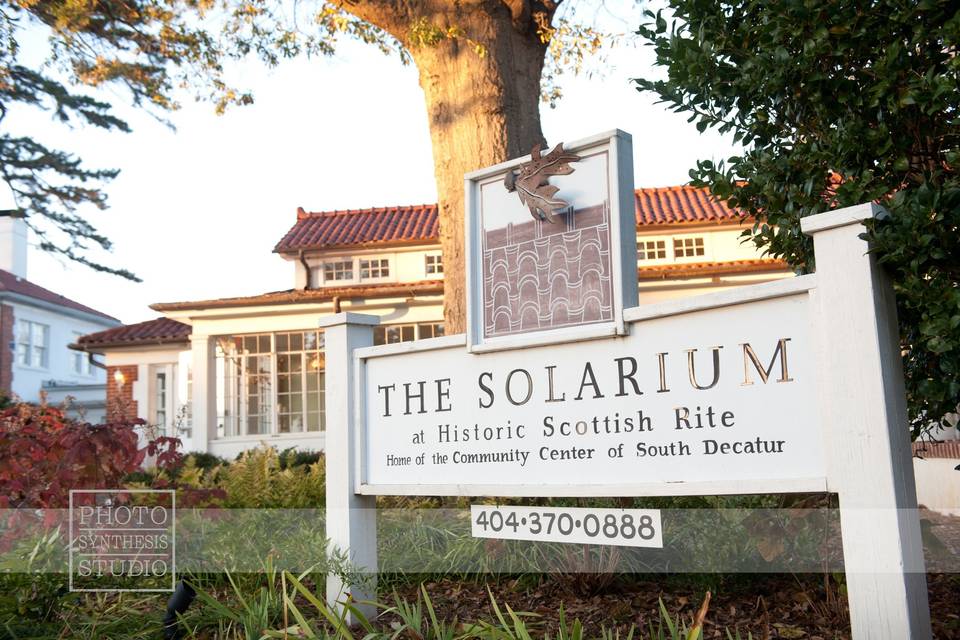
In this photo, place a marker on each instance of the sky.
(197, 210)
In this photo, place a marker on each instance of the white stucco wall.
(207, 325)
(27, 381)
(938, 484)
(407, 264)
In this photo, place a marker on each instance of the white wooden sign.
(789, 386)
(720, 400)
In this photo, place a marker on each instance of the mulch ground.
(768, 607)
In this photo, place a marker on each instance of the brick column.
(7, 349)
(120, 402)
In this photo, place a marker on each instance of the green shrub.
(257, 481)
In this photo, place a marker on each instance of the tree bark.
(483, 108)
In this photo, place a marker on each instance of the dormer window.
(374, 269)
(434, 264)
(688, 247)
(651, 249)
(339, 270)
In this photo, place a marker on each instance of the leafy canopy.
(155, 51)
(837, 104)
(148, 48)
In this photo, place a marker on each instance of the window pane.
(379, 335)
(282, 342)
(407, 333)
(296, 342)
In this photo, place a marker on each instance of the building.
(37, 326)
(229, 373)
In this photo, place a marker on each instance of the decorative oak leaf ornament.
(529, 180)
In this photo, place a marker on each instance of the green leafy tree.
(837, 104)
(146, 47)
(485, 66)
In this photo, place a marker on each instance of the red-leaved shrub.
(43, 455)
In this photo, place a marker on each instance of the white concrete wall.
(938, 484)
(84, 402)
(27, 381)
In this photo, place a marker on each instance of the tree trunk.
(483, 108)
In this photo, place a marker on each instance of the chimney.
(13, 242)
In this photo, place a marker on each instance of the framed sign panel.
(551, 239)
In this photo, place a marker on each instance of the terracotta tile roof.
(700, 269)
(680, 205)
(14, 284)
(945, 449)
(420, 224)
(301, 296)
(159, 331)
(352, 227)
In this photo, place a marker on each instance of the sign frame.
(797, 286)
(860, 399)
(623, 247)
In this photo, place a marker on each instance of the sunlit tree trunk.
(482, 106)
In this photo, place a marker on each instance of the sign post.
(861, 400)
(564, 386)
(351, 517)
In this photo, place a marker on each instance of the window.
(651, 249)
(371, 269)
(160, 401)
(687, 247)
(270, 383)
(434, 264)
(393, 333)
(81, 361)
(32, 344)
(340, 270)
(431, 330)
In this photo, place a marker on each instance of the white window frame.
(332, 264)
(437, 265)
(81, 360)
(417, 328)
(240, 421)
(383, 263)
(25, 358)
(161, 397)
(642, 242)
(690, 239)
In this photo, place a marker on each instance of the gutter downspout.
(90, 356)
(306, 268)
